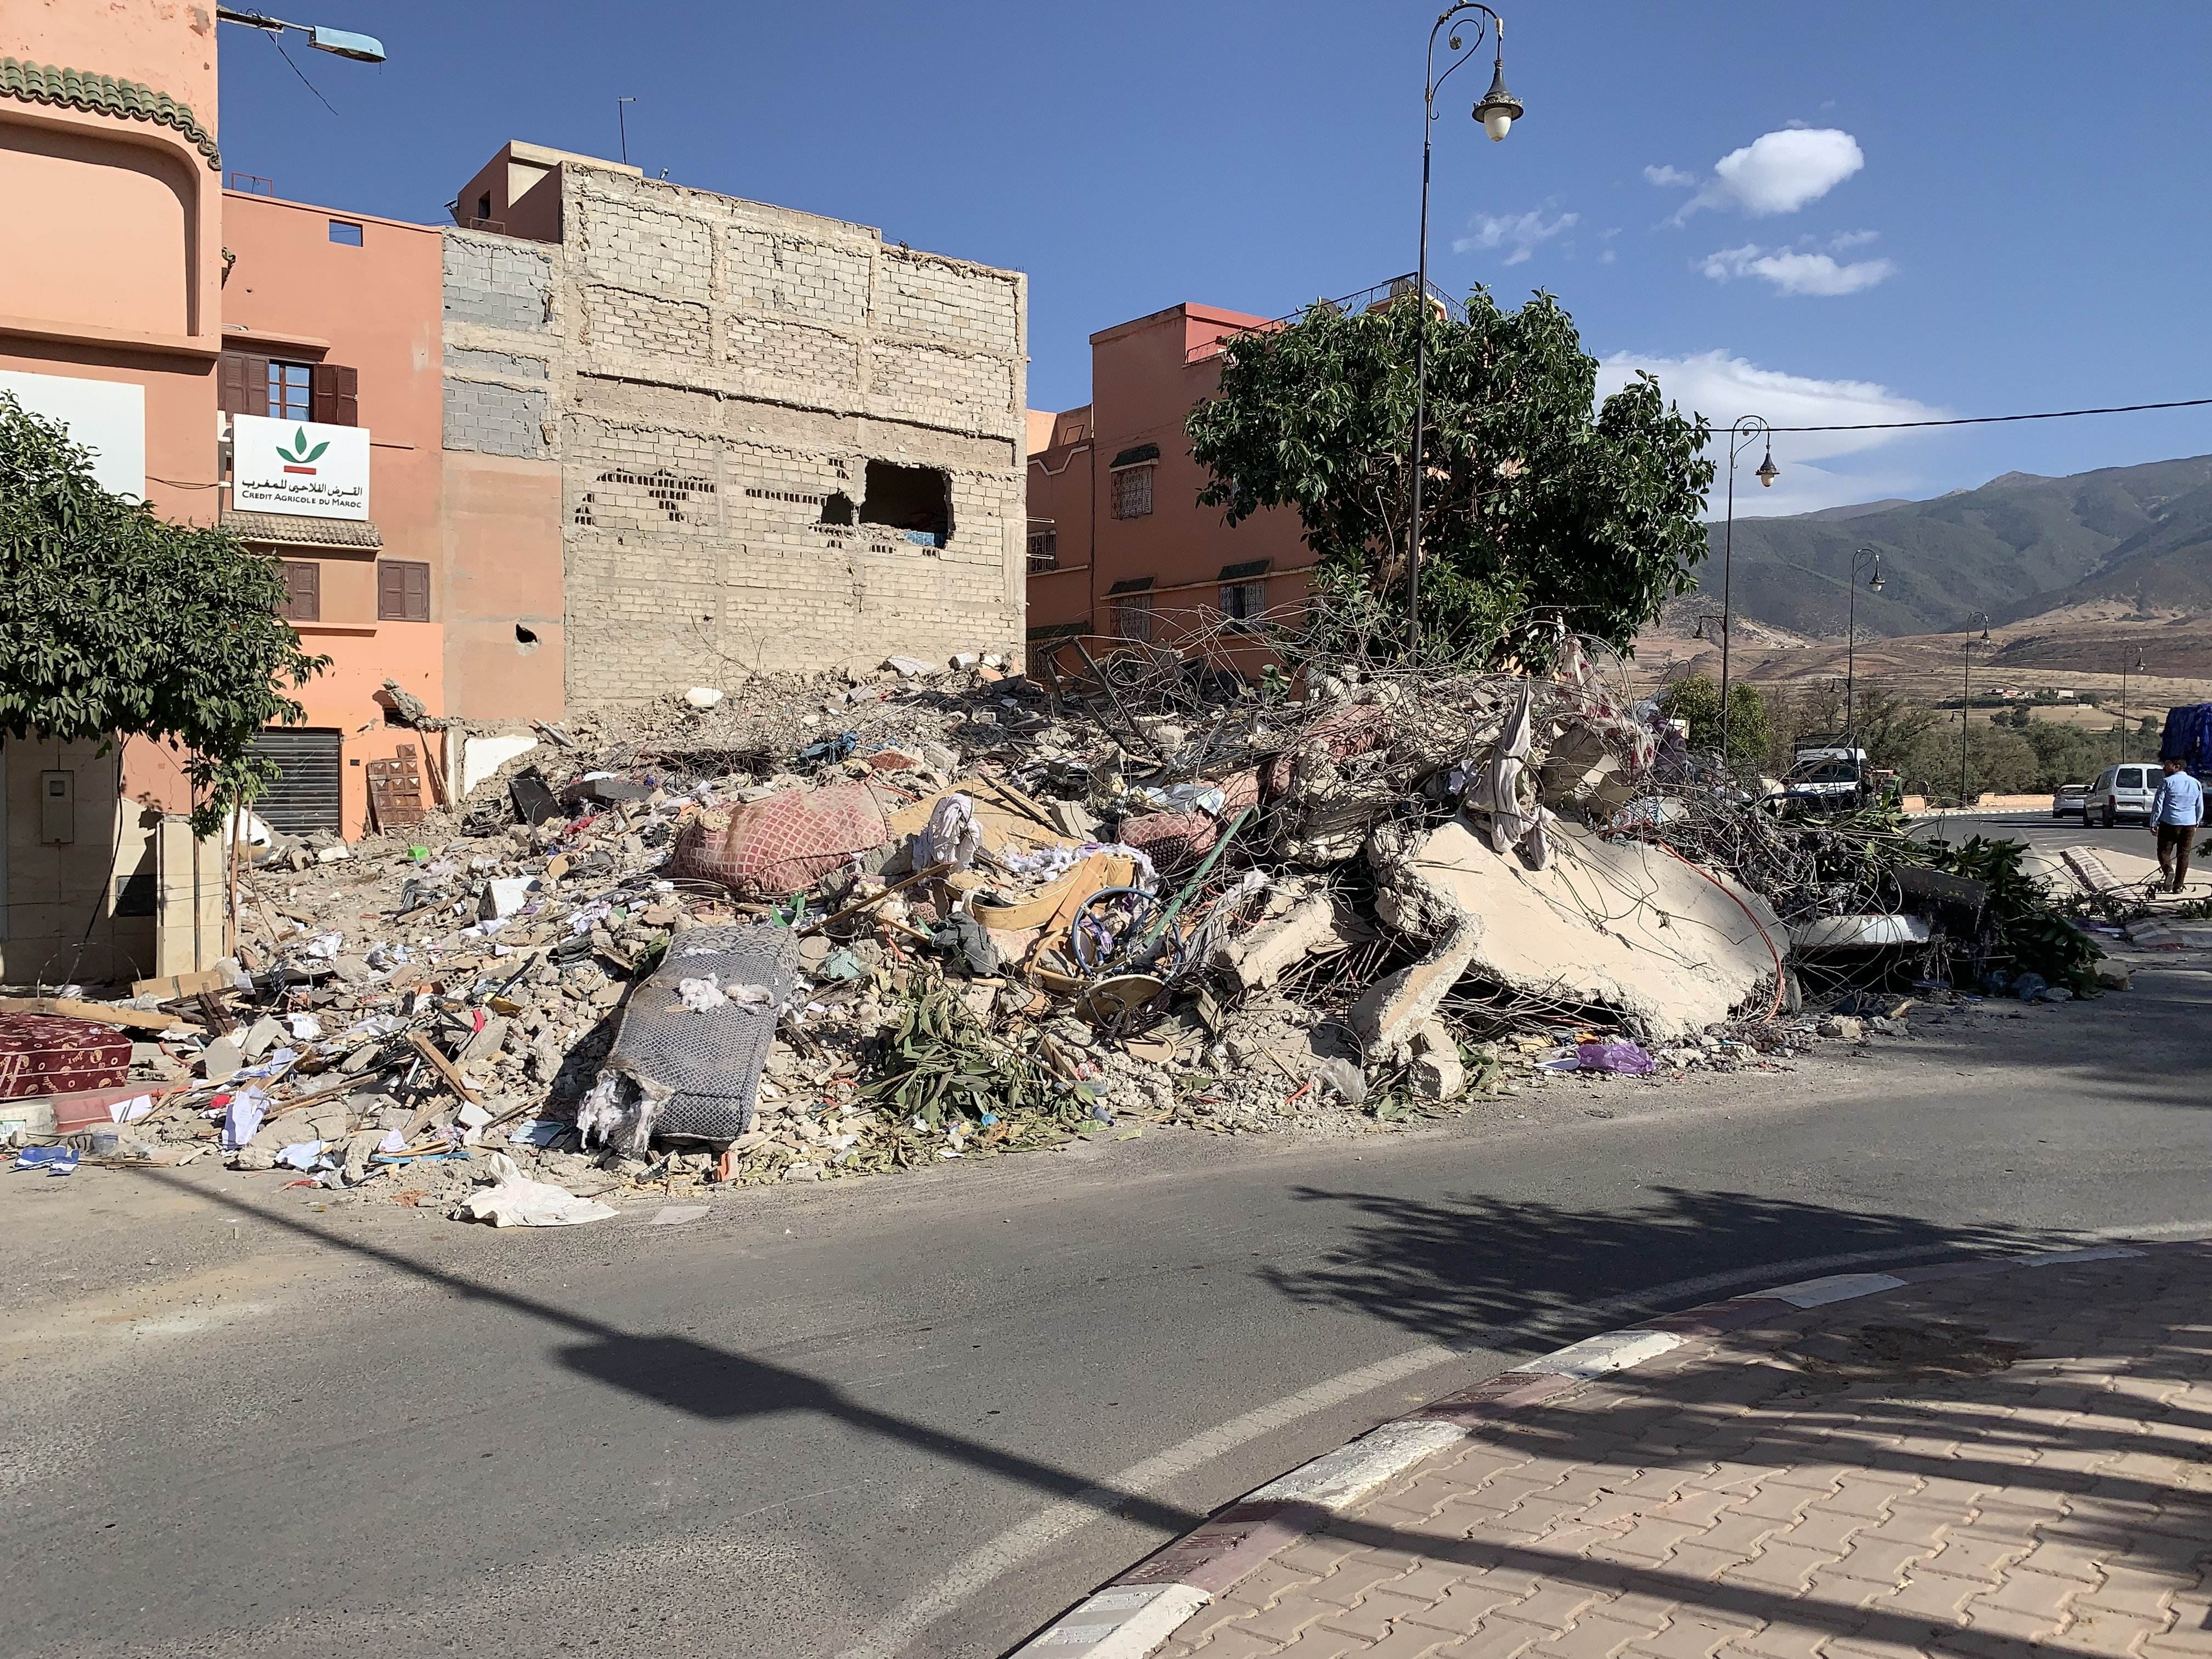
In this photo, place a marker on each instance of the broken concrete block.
(504, 896)
(1847, 1027)
(487, 1041)
(221, 1058)
(2113, 977)
(261, 1036)
(482, 757)
(1314, 926)
(1614, 924)
(1438, 1072)
(1398, 1005)
(1072, 819)
(703, 697)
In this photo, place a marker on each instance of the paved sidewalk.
(1992, 1468)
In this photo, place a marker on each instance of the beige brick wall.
(718, 368)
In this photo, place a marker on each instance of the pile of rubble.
(811, 929)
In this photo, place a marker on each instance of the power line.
(1988, 420)
(301, 73)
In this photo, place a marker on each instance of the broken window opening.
(917, 500)
(1044, 545)
(837, 508)
(525, 641)
(1242, 605)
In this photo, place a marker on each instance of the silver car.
(2070, 801)
(2122, 792)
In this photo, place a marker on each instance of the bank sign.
(299, 467)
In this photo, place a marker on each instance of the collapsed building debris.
(802, 929)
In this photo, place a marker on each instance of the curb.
(1135, 1615)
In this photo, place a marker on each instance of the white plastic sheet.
(519, 1202)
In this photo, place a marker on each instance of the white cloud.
(1850, 239)
(1795, 271)
(1521, 231)
(1722, 387)
(1779, 172)
(1670, 178)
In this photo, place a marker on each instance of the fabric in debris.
(952, 835)
(1620, 1055)
(788, 841)
(51, 1055)
(1173, 841)
(518, 1201)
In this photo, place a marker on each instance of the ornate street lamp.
(1967, 697)
(1850, 640)
(2123, 705)
(1498, 111)
(1747, 427)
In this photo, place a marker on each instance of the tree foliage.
(1696, 700)
(1536, 512)
(116, 622)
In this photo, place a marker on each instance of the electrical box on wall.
(56, 808)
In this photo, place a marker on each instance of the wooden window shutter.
(244, 386)
(337, 395)
(403, 590)
(303, 591)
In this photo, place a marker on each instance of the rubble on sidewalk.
(798, 930)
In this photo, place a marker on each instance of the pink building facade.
(1120, 550)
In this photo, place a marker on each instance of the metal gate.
(307, 796)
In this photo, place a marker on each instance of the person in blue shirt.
(2175, 812)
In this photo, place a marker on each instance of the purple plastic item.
(1619, 1055)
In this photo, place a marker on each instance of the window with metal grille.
(1242, 605)
(1133, 617)
(1044, 546)
(303, 591)
(403, 590)
(1133, 491)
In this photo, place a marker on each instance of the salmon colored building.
(274, 366)
(1119, 548)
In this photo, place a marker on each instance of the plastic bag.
(1619, 1055)
(519, 1202)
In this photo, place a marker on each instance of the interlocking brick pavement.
(2010, 1466)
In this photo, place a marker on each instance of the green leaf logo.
(316, 452)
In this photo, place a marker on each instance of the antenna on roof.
(622, 125)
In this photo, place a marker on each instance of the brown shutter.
(349, 396)
(323, 402)
(403, 590)
(243, 388)
(303, 591)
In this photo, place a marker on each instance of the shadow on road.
(1463, 1270)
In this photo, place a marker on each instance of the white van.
(2122, 792)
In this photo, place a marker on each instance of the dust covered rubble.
(988, 913)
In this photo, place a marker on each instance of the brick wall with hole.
(719, 376)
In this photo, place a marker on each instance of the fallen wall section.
(1613, 924)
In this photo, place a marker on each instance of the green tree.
(1534, 513)
(115, 623)
(1697, 701)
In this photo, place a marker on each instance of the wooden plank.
(443, 1068)
(135, 1020)
(178, 985)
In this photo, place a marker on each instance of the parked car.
(2121, 792)
(2071, 801)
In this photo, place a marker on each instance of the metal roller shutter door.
(306, 797)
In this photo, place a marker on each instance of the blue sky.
(1970, 210)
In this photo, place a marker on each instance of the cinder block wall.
(710, 374)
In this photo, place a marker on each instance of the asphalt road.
(921, 1415)
(2039, 828)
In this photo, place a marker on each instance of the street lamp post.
(1747, 427)
(1967, 697)
(339, 43)
(2123, 705)
(1850, 644)
(1498, 111)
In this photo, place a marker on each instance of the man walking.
(2175, 813)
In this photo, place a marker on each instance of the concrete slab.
(1613, 924)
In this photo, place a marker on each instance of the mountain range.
(2021, 546)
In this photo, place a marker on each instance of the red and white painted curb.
(1135, 1615)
